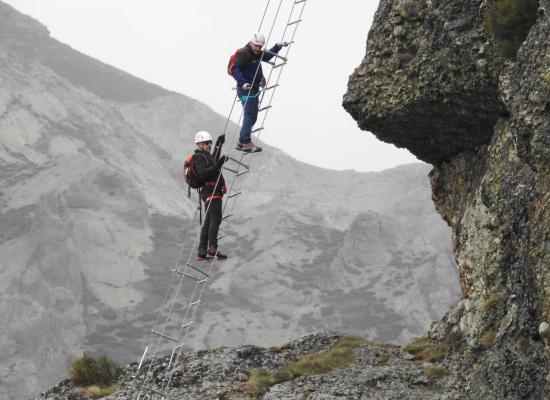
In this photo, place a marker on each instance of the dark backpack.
(190, 174)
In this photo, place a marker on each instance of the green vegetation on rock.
(95, 377)
(509, 21)
(425, 350)
(339, 356)
(487, 340)
(436, 372)
(97, 392)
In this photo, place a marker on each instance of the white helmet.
(202, 136)
(258, 39)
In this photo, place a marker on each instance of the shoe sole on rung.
(218, 258)
(250, 150)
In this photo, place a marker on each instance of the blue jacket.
(246, 63)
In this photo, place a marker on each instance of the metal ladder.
(196, 274)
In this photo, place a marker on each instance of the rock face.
(431, 72)
(433, 81)
(93, 215)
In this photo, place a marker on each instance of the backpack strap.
(200, 206)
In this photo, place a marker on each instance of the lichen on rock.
(430, 71)
(484, 123)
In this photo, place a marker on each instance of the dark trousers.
(211, 225)
(250, 116)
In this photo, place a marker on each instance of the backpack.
(232, 62)
(189, 173)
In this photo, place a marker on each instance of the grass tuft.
(493, 301)
(90, 372)
(425, 350)
(488, 339)
(96, 392)
(339, 356)
(435, 372)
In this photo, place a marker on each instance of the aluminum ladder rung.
(222, 237)
(164, 336)
(276, 55)
(231, 196)
(177, 271)
(179, 347)
(198, 270)
(174, 351)
(194, 304)
(279, 65)
(264, 108)
(183, 326)
(300, 1)
(198, 280)
(271, 87)
(227, 216)
(246, 171)
(239, 162)
(294, 22)
(258, 129)
(231, 170)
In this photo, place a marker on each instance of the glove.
(246, 86)
(221, 139)
(262, 82)
(222, 160)
(283, 44)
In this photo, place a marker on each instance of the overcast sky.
(184, 45)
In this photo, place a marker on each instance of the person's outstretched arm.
(275, 49)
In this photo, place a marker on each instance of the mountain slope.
(93, 215)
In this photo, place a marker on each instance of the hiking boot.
(203, 255)
(215, 253)
(248, 147)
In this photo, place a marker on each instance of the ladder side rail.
(163, 332)
(242, 156)
(163, 304)
(240, 188)
(217, 181)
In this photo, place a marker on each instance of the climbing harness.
(244, 99)
(150, 383)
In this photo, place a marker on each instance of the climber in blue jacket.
(245, 66)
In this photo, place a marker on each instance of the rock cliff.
(436, 81)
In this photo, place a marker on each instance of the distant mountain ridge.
(31, 40)
(93, 215)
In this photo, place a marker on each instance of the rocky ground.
(380, 372)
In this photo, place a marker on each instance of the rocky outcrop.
(380, 372)
(430, 71)
(433, 81)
